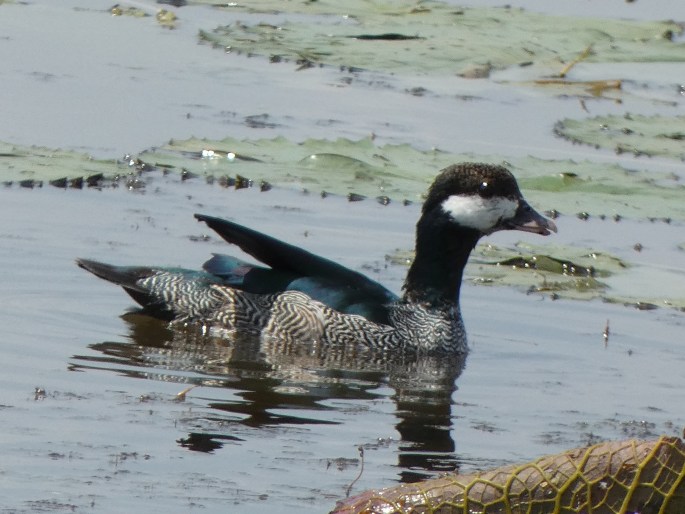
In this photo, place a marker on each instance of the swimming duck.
(297, 295)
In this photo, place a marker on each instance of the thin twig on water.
(361, 470)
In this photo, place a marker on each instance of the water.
(90, 413)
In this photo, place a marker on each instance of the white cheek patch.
(478, 213)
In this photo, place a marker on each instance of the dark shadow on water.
(272, 377)
(207, 443)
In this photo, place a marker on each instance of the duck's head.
(465, 202)
(484, 198)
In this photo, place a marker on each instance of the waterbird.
(296, 295)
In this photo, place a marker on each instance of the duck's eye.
(484, 188)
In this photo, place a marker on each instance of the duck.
(295, 295)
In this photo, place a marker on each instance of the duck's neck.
(442, 249)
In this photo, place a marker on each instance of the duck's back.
(363, 297)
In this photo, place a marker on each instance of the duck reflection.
(279, 383)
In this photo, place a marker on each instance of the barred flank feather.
(192, 299)
(294, 316)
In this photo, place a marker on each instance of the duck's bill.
(528, 219)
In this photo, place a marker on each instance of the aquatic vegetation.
(135, 12)
(437, 38)
(165, 18)
(607, 478)
(569, 272)
(640, 135)
(361, 167)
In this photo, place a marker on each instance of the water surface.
(280, 428)
(90, 416)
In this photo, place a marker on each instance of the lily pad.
(640, 135)
(31, 166)
(568, 272)
(579, 274)
(402, 172)
(438, 38)
(344, 167)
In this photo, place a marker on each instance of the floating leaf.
(607, 478)
(435, 37)
(343, 166)
(639, 135)
(36, 164)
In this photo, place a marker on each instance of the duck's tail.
(163, 292)
(125, 276)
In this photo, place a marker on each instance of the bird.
(295, 295)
